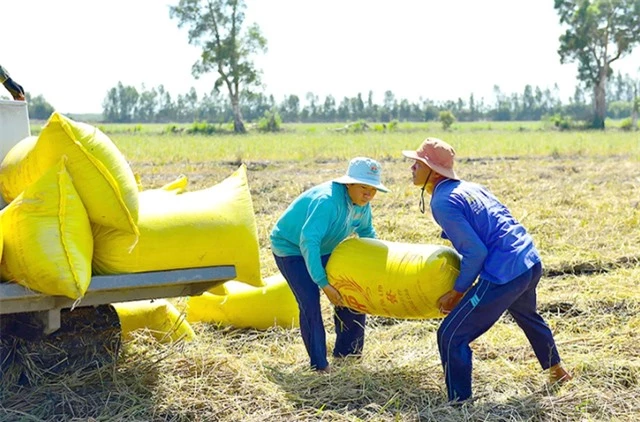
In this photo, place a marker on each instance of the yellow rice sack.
(179, 185)
(47, 241)
(239, 305)
(391, 279)
(175, 187)
(208, 227)
(160, 317)
(100, 173)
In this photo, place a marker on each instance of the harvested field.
(583, 208)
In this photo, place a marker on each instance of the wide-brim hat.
(437, 154)
(365, 171)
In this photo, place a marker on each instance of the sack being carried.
(391, 279)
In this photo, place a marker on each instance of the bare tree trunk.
(600, 100)
(634, 114)
(238, 125)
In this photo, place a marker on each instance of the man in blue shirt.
(496, 249)
(302, 241)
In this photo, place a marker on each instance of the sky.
(73, 51)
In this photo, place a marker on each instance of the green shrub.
(204, 128)
(627, 124)
(271, 122)
(561, 122)
(171, 129)
(447, 118)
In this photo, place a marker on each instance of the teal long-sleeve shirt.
(316, 222)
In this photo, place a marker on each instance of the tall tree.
(147, 103)
(599, 32)
(120, 104)
(312, 100)
(290, 108)
(39, 108)
(329, 109)
(217, 27)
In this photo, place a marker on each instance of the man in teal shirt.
(302, 241)
(14, 88)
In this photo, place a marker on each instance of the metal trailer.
(28, 317)
(106, 289)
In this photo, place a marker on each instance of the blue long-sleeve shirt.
(492, 244)
(316, 222)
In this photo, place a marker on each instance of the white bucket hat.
(365, 171)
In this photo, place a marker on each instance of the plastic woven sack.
(160, 317)
(102, 176)
(391, 279)
(239, 305)
(208, 227)
(47, 240)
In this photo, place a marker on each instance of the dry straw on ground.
(584, 214)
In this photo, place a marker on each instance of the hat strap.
(421, 205)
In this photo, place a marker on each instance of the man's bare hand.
(449, 300)
(333, 294)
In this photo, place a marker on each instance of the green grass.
(301, 145)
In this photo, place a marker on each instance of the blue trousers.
(478, 310)
(349, 325)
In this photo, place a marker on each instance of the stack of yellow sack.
(57, 185)
(75, 209)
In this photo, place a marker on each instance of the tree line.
(597, 34)
(127, 104)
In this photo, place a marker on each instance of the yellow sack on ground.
(214, 226)
(100, 173)
(160, 317)
(47, 237)
(239, 305)
(398, 280)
